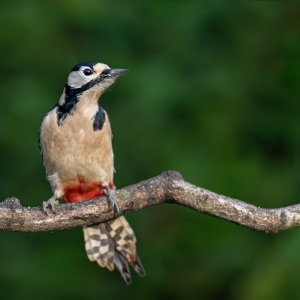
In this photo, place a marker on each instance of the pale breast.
(75, 149)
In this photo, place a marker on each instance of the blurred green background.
(213, 92)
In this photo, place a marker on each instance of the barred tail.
(113, 244)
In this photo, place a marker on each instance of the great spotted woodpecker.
(76, 146)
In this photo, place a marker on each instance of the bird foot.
(110, 194)
(50, 203)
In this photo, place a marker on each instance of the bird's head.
(87, 80)
(93, 75)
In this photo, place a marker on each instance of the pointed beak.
(110, 73)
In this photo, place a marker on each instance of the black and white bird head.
(89, 75)
(87, 79)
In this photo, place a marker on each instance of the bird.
(75, 141)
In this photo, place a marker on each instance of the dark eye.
(87, 72)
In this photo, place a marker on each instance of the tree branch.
(169, 187)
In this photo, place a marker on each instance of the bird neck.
(78, 101)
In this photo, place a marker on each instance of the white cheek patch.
(77, 79)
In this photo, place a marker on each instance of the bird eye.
(87, 72)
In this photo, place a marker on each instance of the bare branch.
(169, 187)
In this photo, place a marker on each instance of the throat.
(83, 100)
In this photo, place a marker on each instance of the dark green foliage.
(213, 92)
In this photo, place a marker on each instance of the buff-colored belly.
(76, 157)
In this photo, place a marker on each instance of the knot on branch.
(172, 175)
(169, 181)
(11, 204)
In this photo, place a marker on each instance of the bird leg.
(110, 194)
(50, 203)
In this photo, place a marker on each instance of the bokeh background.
(213, 92)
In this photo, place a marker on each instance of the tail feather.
(122, 265)
(106, 251)
(138, 267)
(99, 247)
(113, 244)
(123, 238)
(92, 242)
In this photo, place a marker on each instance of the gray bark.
(169, 187)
